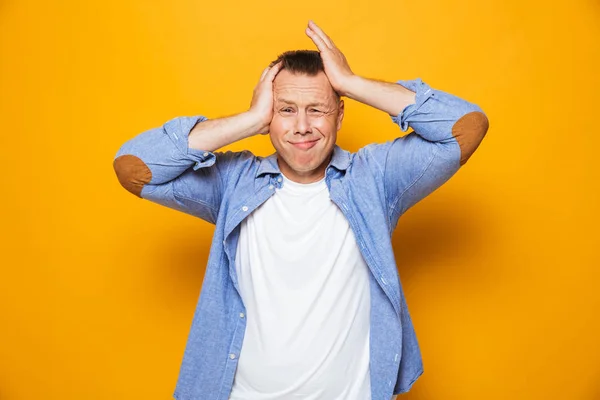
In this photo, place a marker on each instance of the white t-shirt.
(305, 287)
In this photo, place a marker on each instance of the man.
(301, 297)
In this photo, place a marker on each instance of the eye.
(314, 110)
(287, 109)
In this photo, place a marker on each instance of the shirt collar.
(339, 160)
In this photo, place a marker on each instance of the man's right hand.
(261, 106)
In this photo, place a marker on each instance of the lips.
(305, 145)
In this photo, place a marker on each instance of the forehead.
(302, 88)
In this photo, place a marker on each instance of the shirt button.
(271, 187)
(244, 208)
(241, 315)
(205, 154)
(232, 356)
(279, 179)
(223, 243)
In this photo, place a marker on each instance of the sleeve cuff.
(178, 130)
(422, 92)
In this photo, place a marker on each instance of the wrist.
(256, 122)
(351, 86)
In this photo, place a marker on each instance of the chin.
(305, 168)
(310, 166)
(304, 161)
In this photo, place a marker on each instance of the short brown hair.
(307, 62)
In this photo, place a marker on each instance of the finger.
(264, 73)
(317, 40)
(315, 28)
(273, 71)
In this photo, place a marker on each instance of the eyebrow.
(309, 105)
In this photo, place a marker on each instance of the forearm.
(210, 135)
(389, 97)
(162, 154)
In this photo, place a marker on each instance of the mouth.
(305, 145)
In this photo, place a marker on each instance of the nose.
(302, 124)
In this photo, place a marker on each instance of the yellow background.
(500, 265)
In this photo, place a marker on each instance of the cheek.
(280, 126)
(327, 126)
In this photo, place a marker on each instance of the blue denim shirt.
(372, 187)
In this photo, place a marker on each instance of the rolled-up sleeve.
(159, 155)
(442, 117)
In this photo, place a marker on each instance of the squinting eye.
(314, 110)
(287, 110)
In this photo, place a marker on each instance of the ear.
(340, 114)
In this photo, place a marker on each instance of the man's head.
(306, 117)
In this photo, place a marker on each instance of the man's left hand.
(336, 67)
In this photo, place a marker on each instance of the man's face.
(306, 118)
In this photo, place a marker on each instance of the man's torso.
(305, 287)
